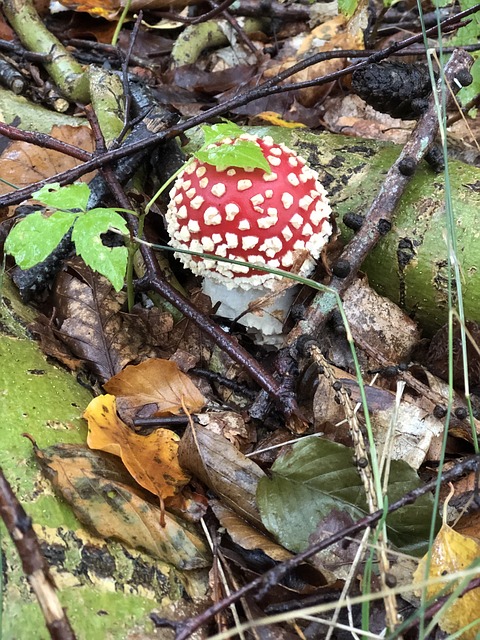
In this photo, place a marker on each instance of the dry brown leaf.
(24, 163)
(156, 381)
(351, 116)
(109, 9)
(226, 471)
(229, 424)
(245, 535)
(152, 460)
(94, 327)
(415, 426)
(378, 322)
(334, 33)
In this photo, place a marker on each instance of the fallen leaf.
(156, 381)
(452, 552)
(332, 34)
(24, 163)
(102, 496)
(275, 119)
(152, 460)
(92, 323)
(316, 477)
(223, 469)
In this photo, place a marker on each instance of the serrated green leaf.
(217, 132)
(35, 237)
(73, 196)
(244, 154)
(111, 262)
(317, 476)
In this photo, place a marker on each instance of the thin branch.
(19, 526)
(45, 141)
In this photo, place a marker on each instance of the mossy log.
(410, 263)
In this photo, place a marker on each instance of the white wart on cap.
(272, 219)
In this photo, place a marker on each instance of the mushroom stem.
(261, 310)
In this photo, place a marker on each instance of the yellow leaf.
(273, 118)
(453, 552)
(152, 460)
(156, 381)
(100, 492)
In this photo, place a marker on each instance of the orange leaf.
(156, 381)
(451, 553)
(152, 460)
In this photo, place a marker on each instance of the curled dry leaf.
(156, 381)
(96, 487)
(243, 534)
(415, 426)
(222, 468)
(229, 424)
(378, 322)
(332, 34)
(152, 460)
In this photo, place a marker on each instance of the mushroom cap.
(280, 220)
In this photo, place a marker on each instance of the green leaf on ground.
(243, 153)
(317, 476)
(111, 262)
(35, 237)
(73, 196)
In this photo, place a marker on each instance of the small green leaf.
(318, 476)
(217, 132)
(73, 196)
(35, 237)
(243, 153)
(111, 262)
(348, 7)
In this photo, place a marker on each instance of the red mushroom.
(279, 219)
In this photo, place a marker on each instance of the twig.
(13, 47)
(45, 141)
(266, 89)
(378, 219)
(274, 576)
(213, 13)
(19, 526)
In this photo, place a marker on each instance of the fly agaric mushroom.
(279, 219)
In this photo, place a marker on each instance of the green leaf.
(317, 476)
(73, 196)
(243, 153)
(217, 132)
(348, 7)
(35, 237)
(111, 262)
